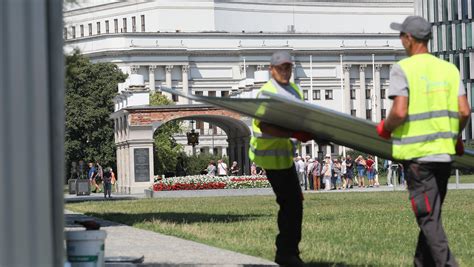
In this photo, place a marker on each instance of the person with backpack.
(107, 179)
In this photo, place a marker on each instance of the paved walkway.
(161, 250)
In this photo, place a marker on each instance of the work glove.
(382, 132)
(302, 136)
(459, 147)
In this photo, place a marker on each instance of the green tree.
(90, 88)
(166, 149)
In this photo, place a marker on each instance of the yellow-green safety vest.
(432, 125)
(270, 152)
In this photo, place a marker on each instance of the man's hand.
(459, 147)
(302, 136)
(382, 132)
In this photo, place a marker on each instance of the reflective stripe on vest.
(432, 125)
(267, 151)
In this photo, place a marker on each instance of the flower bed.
(202, 182)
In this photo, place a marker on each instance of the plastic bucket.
(86, 248)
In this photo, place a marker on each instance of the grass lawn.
(365, 229)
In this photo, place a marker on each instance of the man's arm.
(464, 111)
(398, 113)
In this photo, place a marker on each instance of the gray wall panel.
(31, 135)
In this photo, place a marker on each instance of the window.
(445, 10)
(353, 94)
(211, 93)
(368, 114)
(383, 93)
(198, 93)
(449, 37)
(143, 22)
(215, 151)
(353, 113)
(124, 29)
(134, 24)
(116, 25)
(383, 114)
(65, 33)
(328, 95)
(316, 94)
(440, 38)
(469, 35)
(82, 30)
(107, 27)
(98, 27)
(458, 36)
(73, 30)
(367, 94)
(225, 94)
(464, 9)
(90, 28)
(200, 126)
(175, 97)
(454, 9)
(305, 94)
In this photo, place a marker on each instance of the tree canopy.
(90, 89)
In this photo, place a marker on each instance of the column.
(151, 77)
(377, 100)
(361, 97)
(346, 95)
(246, 163)
(185, 70)
(168, 70)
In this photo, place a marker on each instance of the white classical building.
(343, 49)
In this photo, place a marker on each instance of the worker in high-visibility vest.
(429, 111)
(272, 149)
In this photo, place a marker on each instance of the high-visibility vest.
(432, 125)
(269, 152)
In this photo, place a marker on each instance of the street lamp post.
(193, 138)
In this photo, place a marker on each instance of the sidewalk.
(161, 250)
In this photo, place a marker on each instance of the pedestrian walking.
(272, 149)
(429, 111)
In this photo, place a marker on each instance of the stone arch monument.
(135, 125)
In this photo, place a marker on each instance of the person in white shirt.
(221, 168)
(300, 167)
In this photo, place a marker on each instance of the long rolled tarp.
(324, 123)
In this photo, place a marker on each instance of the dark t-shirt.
(349, 165)
(107, 177)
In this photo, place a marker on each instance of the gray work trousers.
(427, 185)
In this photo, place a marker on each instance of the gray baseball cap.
(280, 57)
(417, 26)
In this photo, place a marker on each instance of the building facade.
(453, 38)
(343, 50)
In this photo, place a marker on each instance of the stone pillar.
(185, 70)
(377, 100)
(168, 82)
(361, 109)
(151, 78)
(346, 95)
(245, 157)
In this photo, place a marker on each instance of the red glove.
(459, 147)
(302, 136)
(382, 132)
